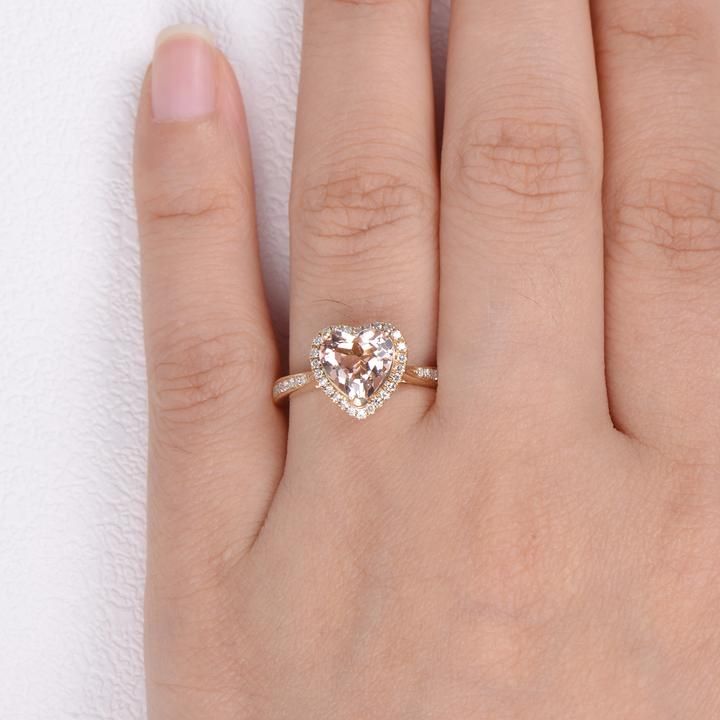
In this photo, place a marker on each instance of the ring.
(358, 368)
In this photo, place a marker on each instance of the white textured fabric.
(72, 387)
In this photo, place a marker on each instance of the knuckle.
(676, 24)
(679, 219)
(512, 166)
(179, 203)
(517, 553)
(689, 538)
(348, 215)
(199, 377)
(380, 222)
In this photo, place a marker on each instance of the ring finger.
(364, 201)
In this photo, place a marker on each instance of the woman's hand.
(541, 537)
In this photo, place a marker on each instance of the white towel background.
(72, 386)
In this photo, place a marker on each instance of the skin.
(541, 537)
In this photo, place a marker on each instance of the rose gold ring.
(358, 368)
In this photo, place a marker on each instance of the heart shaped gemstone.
(357, 361)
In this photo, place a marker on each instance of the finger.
(216, 442)
(364, 201)
(658, 64)
(521, 313)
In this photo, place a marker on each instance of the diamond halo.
(359, 367)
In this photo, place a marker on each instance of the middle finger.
(521, 306)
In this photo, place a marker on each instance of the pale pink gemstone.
(357, 364)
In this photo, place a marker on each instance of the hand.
(540, 539)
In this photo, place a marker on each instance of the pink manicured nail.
(183, 74)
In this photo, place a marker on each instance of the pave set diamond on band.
(358, 368)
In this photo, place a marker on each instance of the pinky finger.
(216, 442)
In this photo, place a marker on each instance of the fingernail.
(183, 74)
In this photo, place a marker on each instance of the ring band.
(358, 368)
(289, 384)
